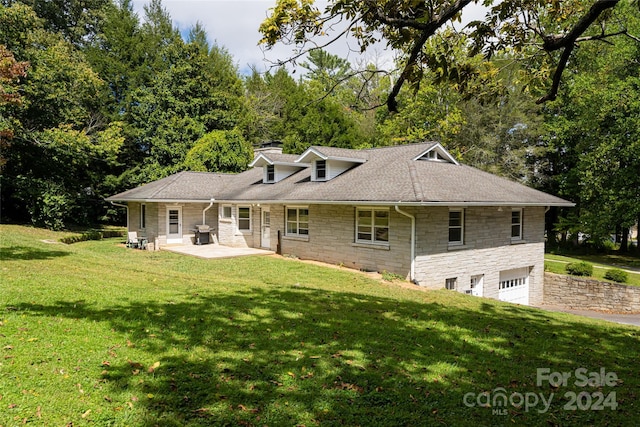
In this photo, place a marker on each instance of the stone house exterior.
(411, 210)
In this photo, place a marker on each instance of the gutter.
(412, 274)
(205, 210)
(123, 206)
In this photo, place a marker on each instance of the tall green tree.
(61, 142)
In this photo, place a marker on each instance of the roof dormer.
(329, 162)
(277, 167)
(436, 153)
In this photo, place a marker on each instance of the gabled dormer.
(436, 153)
(277, 167)
(329, 162)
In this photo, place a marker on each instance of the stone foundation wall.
(590, 294)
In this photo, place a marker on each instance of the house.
(412, 210)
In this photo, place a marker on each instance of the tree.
(407, 25)
(10, 72)
(593, 140)
(61, 143)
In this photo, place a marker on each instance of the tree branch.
(430, 28)
(568, 41)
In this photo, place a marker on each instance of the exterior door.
(266, 228)
(476, 285)
(174, 225)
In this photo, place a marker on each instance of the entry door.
(174, 224)
(476, 285)
(266, 228)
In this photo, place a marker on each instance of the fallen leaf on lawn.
(135, 371)
(7, 347)
(130, 344)
(244, 408)
(153, 367)
(150, 396)
(12, 405)
(86, 414)
(106, 363)
(134, 398)
(108, 399)
(291, 374)
(32, 339)
(39, 412)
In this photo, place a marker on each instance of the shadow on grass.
(27, 253)
(306, 356)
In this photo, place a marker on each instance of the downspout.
(412, 274)
(123, 206)
(205, 210)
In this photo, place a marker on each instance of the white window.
(226, 212)
(297, 221)
(451, 283)
(271, 173)
(244, 218)
(456, 227)
(516, 224)
(321, 169)
(143, 216)
(372, 226)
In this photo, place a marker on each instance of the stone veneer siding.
(590, 294)
(487, 248)
(156, 221)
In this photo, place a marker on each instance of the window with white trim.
(456, 226)
(321, 169)
(226, 212)
(516, 224)
(244, 218)
(372, 226)
(297, 221)
(451, 283)
(143, 216)
(270, 171)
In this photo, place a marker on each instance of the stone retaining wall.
(589, 294)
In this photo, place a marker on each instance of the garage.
(514, 286)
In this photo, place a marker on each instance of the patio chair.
(132, 239)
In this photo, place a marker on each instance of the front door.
(174, 225)
(266, 228)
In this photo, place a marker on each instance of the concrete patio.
(213, 251)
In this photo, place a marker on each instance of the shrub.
(390, 277)
(616, 275)
(580, 269)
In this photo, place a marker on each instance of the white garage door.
(514, 286)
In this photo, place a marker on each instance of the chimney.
(269, 147)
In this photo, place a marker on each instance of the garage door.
(514, 286)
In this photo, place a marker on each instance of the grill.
(202, 234)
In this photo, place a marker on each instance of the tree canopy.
(525, 27)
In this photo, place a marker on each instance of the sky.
(233, 24)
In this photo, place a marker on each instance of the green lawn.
(93, 334)
(601, 263)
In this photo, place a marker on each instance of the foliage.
(121, 337)
(220, 151)
(580, 269)
(616, 275)
(406, 26)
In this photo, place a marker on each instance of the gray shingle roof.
(389, 175)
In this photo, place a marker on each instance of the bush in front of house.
(616, 275)
(579, 269)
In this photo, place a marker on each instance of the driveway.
(625, 319)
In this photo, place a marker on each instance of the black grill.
(202, 234)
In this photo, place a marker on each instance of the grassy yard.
(601, 263)
(93, 334)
